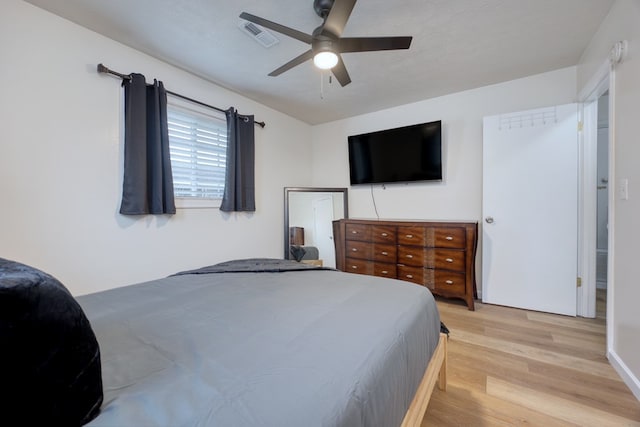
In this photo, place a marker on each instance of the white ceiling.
(457, 45)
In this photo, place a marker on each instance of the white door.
(530, 187)
(323, 220)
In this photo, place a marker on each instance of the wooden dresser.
(437, 254)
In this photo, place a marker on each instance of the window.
(198, 149)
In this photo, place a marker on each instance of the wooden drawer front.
(359, 266)
(358, 232)
(448, 237)
(448, 259)
(411, 255)
(384, 253)
(384, 270)
(357, 249)
(411, 236)
(448, 283)
(383, 234)
(432, 237)
(421, 276)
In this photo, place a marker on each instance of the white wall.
(623, 23)
(459, 196)
(61, 162)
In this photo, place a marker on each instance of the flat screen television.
(405, 154)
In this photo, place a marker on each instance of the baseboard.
(625, 373)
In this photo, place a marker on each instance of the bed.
(266, 343)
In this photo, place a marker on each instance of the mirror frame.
(288, 190)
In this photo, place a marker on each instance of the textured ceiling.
(457, 45)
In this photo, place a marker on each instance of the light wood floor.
(510, 367)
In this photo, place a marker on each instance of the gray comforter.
(306, 347)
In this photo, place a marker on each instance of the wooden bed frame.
(436, 371)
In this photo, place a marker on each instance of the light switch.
(623, 189)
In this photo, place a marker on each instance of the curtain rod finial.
(102, 68)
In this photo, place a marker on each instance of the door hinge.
(580, 126)
(579, 282)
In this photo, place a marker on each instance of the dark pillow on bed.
(50, 370)
(297, 251)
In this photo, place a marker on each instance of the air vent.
(259, 34)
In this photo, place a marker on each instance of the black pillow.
(297, 252)
(50, 370)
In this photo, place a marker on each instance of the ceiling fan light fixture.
(327, 43)
(325, 60)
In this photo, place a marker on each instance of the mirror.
(308, 229)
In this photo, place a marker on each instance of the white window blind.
(198, 146)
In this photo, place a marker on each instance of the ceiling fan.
(326, 43)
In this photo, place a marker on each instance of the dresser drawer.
(449, 237)
(447, 283)
(383, 234)
(412, 255)
(447, 259)
(360, 232)
(359, 266)
(385, 270)
(384, 253)
(433, 237)
(412, 274)
(358, 249)
(414, 236)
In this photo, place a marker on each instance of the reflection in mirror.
(308, 216)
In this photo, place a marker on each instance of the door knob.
(489, 220)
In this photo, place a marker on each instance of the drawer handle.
(409, 236)
(409, 256)
(385, 272)
(449, 238)
(354, 250)
(384, 234)
(384, 253)
(354, 232)
(355, 267)
(449, 259)
(409, 276)
(449, 282)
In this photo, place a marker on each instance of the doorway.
(598, 99)
(602, 205)
(323, 230)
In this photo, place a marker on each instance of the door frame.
(602, 81)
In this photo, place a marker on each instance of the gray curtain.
(148, 183)
(239, 189)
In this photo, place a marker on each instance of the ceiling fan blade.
(298, 35)
(369, 44)
(338, 17)
(340, 71)
(295, 61)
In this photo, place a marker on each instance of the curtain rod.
(103, 69)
